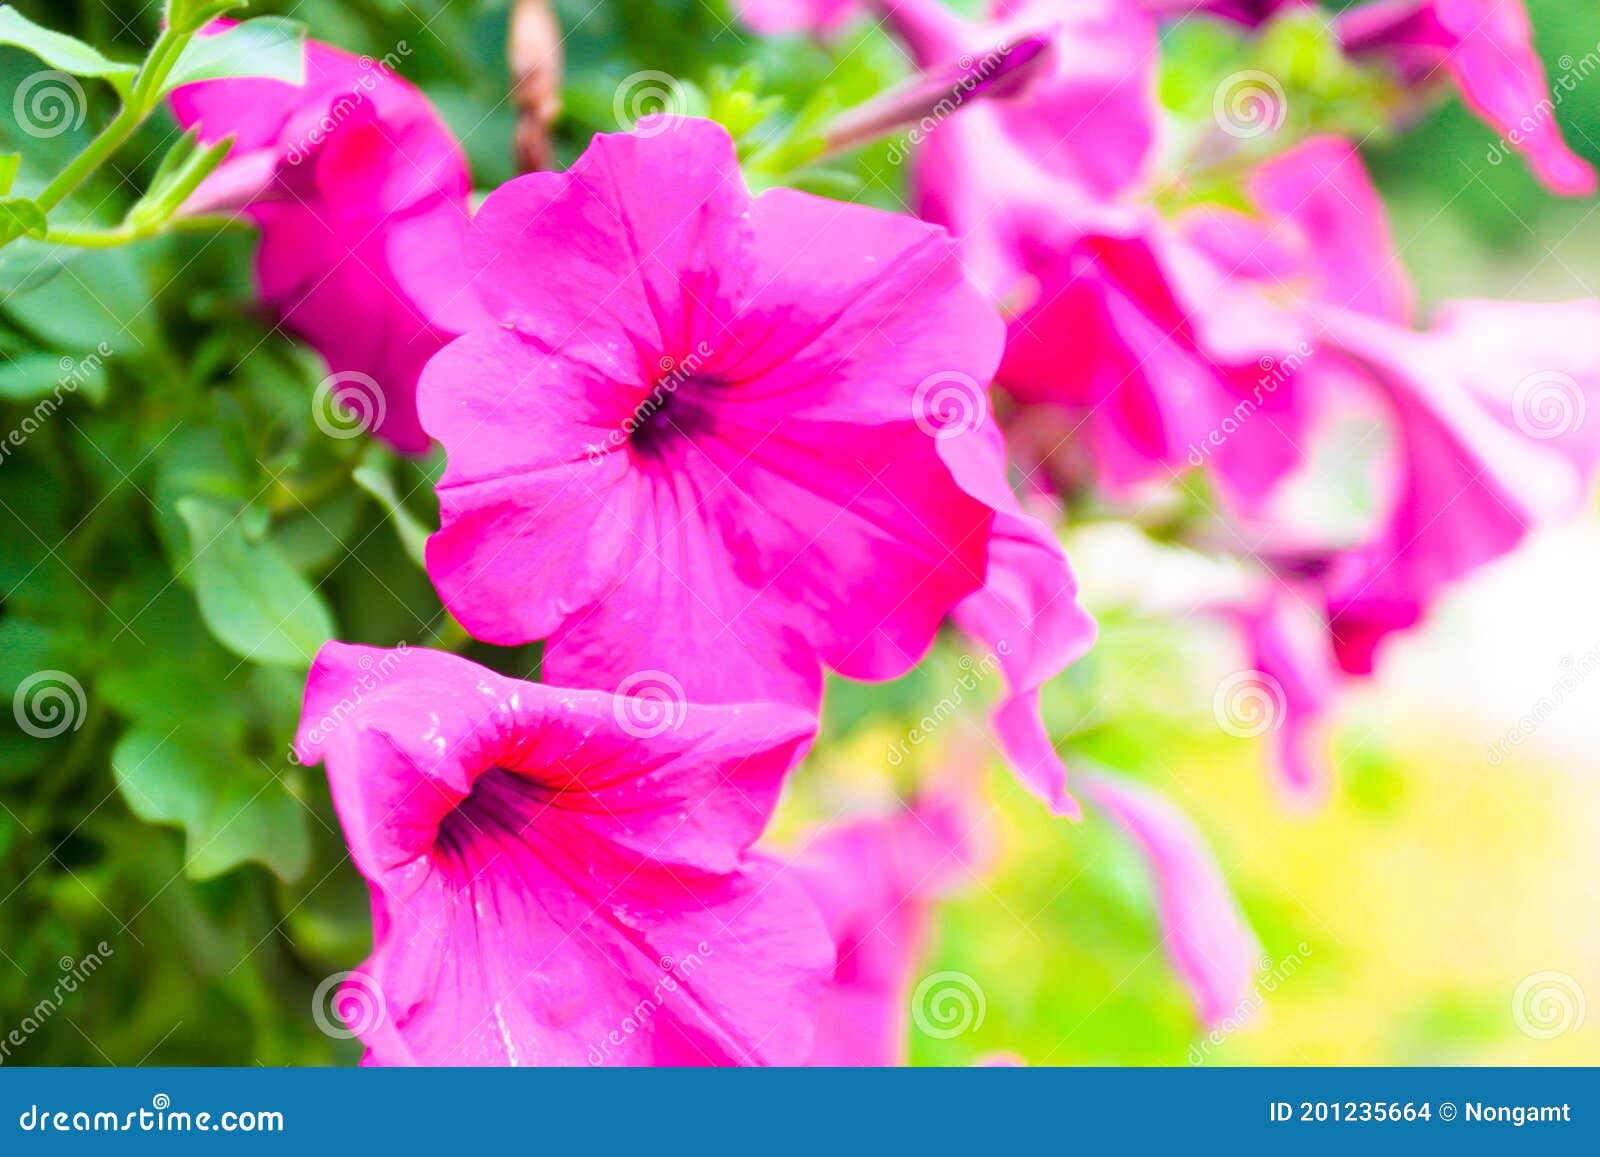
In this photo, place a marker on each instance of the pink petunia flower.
(1026, 614)
(1495, 412)
(709, 434)
(1486, 47)
(1295, 684)
(562, 877)
(1249, 13)
(361, 193)
(1205, 934)
(1017, 179)
(1490, 408)
(1152, 352)
(875, 880)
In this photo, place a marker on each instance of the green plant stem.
(123, 234)
(136, 107)
(95, 154)
(157, 66)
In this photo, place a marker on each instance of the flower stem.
(137, 105)
(123, 234)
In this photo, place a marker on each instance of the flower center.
(498, 809)
(675, 410)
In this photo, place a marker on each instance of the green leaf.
(193, 463)
(168, 671)
(231, 808)
(21, 217)
(61, 52)
(312, 539)
(192, 15)
(26, 264)
(34, 375)
(25, 649)
(373, 476)
(106, 301)
(253, 601)
(266, 48)
(9, 164)
(179, 174)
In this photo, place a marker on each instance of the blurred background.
(1443, 906)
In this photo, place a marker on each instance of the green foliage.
(268, 47)
(60, 51)
(254, 601)
(231, 814)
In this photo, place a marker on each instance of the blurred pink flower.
(550, 888)
(1014, 179)
(875, 879)
(1250, 13)
(353, 178)
(1490, 407)
(1003, 173)
(1496, 436)
(710, 433)
(1115, 318)
(1486, 48)
(1151, 351)
(1295, 681)
(1205, 934)
(1026, 614)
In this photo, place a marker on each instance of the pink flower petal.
(876, 880)
(1486, 46)
(341, 174)
(560, 877)
(1493, 409)
(1205, 934)
(699, 440)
